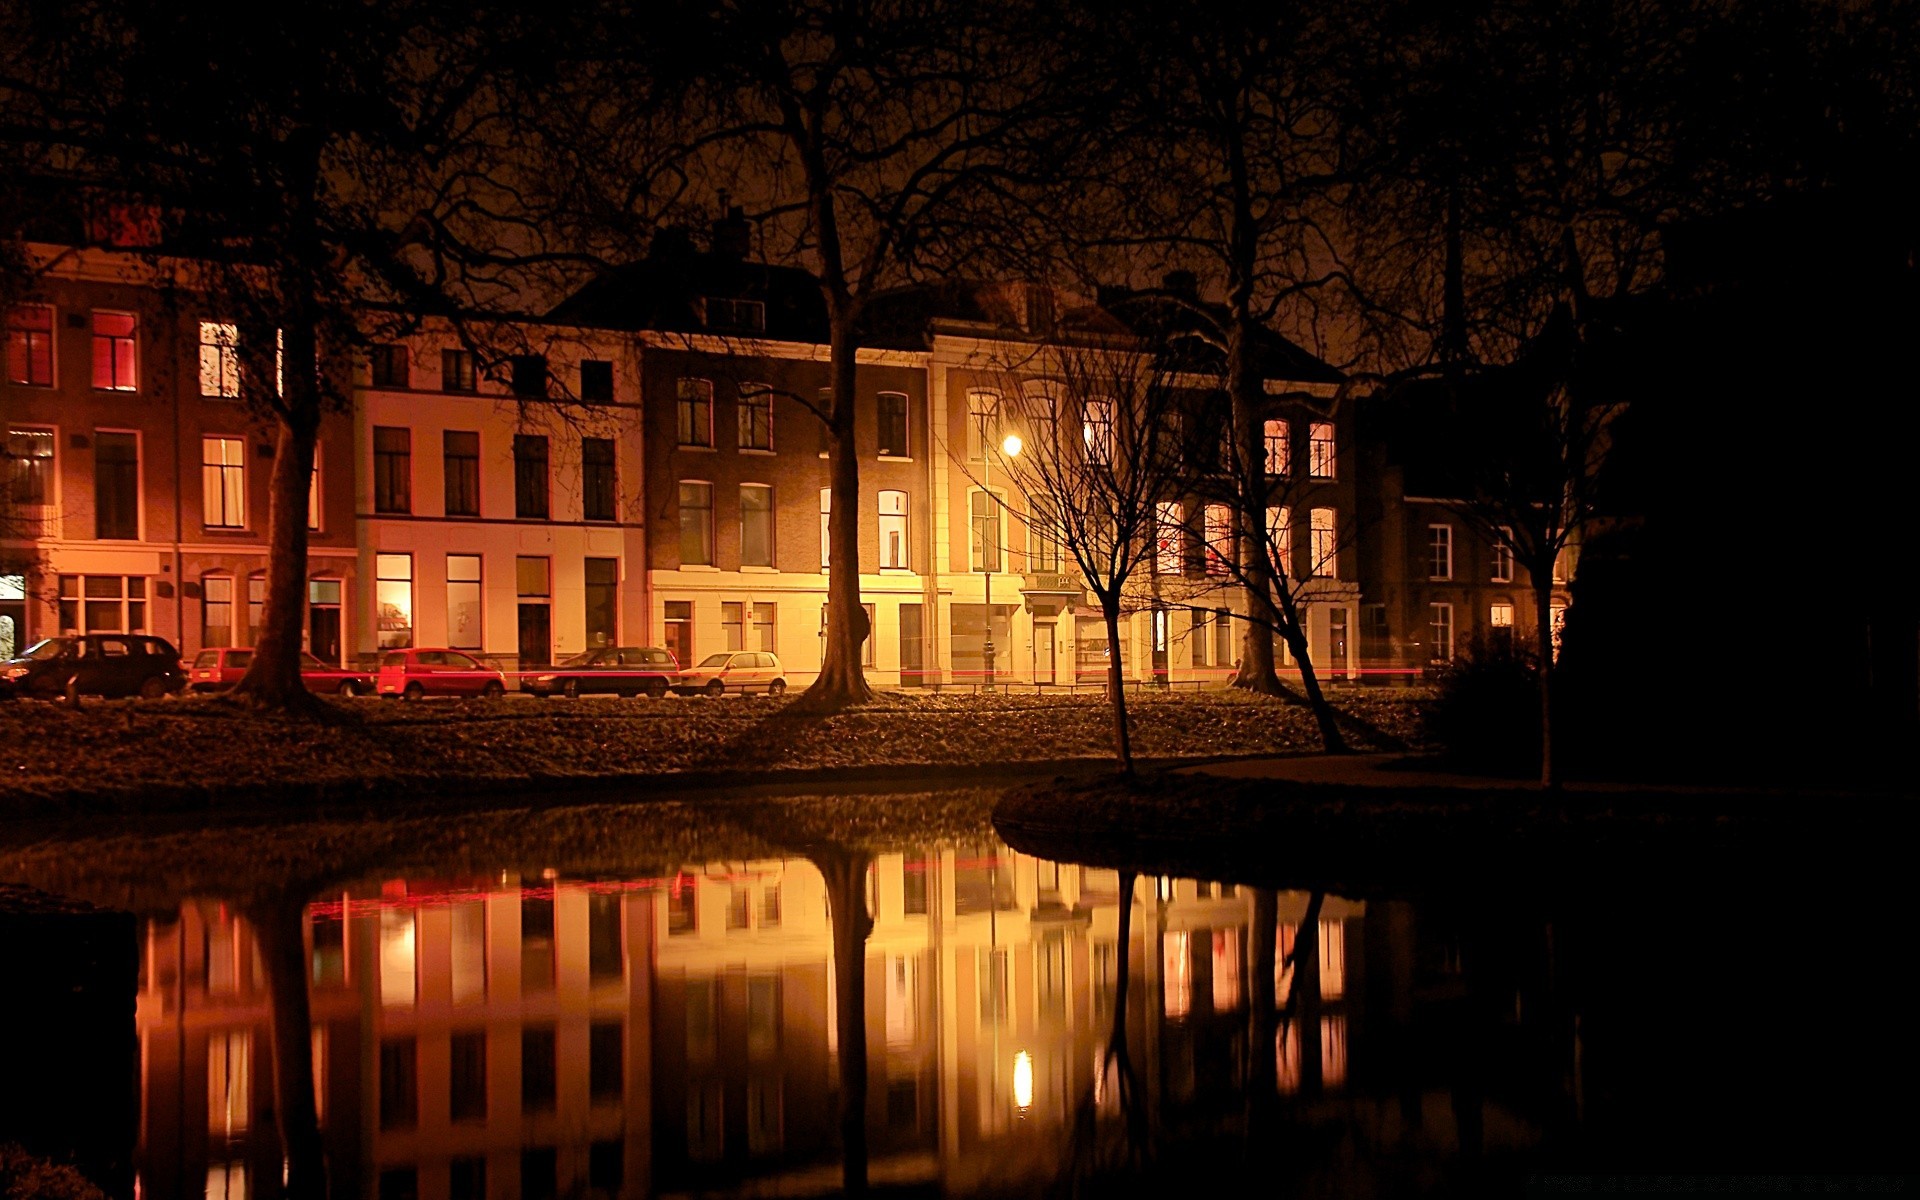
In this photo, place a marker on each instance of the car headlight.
(16, 672)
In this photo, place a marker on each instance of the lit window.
(1097, 430)
(756, 416)
(1166, 539)
(1563, 564)
(1500, 616)
(464, 606)
(30, 345)
(113, 352)
(826, 538)
(984, 542)
(893, 531)
(1280, 540)
(219, 359)
(1557, 623)
(1439, 552)
(223, 482)
(893, 426)
(1321, 449)
(1320, 529)
(696, 524)
(983, 423)
(393, 599)
(1503, 555)
(695, 412)
(216, 610)
(30, 467)
(1440, 625)
(1279, 448)
(1219, 521)
(756, 525)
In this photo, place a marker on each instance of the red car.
(414, 674)
(219, 669)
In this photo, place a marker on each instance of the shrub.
(24, 1177)
(1485, 712)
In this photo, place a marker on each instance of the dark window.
(596, 479)
(462, 449)
(392, 470)
(603, 600)
(536, 923)
(116, 485)
(596, 379)
(467, 1179)
(389, 365)
(529, 375)
(539, 1173)
(893, 425)
(606, 1167)
(399, 1183)
(456, 371)
(606, 1060)
(606, 958)
(467, 1077)
(538, 1082)
(530, 477)
(399, 1083)
(694, 412)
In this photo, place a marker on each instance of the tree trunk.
(1291, 628)
(272, 679)
(1117, 688)
(842, 680)
(1303, 995)
(277, 928)
(846, 879)
(1262, 938)
(1543, 647)
(1255, 673)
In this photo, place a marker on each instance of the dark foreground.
(688, 997)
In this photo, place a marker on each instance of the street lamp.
(1010, 446)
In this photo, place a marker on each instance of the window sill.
(211, 531)
(750, 569)
(902, 458)
(759, 452)
(687, 449)
(702, 568)
(392, 512)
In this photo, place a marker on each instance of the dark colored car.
(99, 664)
(612, 671)
(218, 669)
(415, 674)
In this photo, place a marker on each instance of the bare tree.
(1093, 468)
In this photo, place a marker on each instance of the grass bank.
(191, 754)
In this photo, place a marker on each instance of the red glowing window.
(113, 352)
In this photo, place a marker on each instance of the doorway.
(1337, 642)
(1043, 642)
(913, 659)
(323, 620)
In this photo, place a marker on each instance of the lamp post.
(1010, 446)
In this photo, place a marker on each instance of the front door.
(1043, 651)
(913, 671)
(536, 635)
(323, 620)
(1337, 643)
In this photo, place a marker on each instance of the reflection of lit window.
(994, 986)
(703, 1010)
(397, 981)
(763, 1116)
(469, 951)
(1286, 1055)
(1177, 976)
(1226, 970)
(1333, 1049)
(763, 1016)
(227, 1181)
(229, 1070)
(704, 1133)
(903, 1001)
(1333, 959)
(536, 943)
(682, 915)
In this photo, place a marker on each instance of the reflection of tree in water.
(1094, 1152)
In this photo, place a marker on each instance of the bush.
(1485, 713)
(24, 1177)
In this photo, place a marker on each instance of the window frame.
(1323, 450)
(1169, 542)
(128, 342)
(1324, 543)
(36, 347)
(455, 479)
(459, 375)
(978, 524)
(222, 370)
(1439, 618)
(1502, 568)
(599, 479)
(393, 471)
(693, 413)
(383, 565)
(898, 521)
(1277, 444)
(1439, 551)
(767, 514)
(904, 452)
(223, 483)
(529, 470)
(138, 485)
(753, 412)
(706, 528)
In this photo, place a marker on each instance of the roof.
(689, 291)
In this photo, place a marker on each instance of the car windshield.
(715, 660)
(397, 658)
(309, 663)
(581, 660)
(45, 649)
(207, 658)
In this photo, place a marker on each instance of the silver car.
(733, 671)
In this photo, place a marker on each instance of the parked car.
(414, 674)
(734, 671)
(219, 668)
(99, 664)
(614, 670)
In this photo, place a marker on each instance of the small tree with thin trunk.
(1093, 469)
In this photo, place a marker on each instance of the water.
(677, 999)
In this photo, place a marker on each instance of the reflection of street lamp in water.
(1023, 1081)
(1010, 446)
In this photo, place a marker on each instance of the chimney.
(1184, 284)
(732, 235)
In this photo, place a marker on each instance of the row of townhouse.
(646, 466)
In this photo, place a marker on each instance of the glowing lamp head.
(1012, 446)
(1023, 1080)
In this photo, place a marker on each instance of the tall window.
(113, 352)
(826, 523)
(1439, 552)
(393, 599)
(456, 372)
(1097, 430)
(983, 423)
(256, 604)
(596, 380)
(1280, 539)
(1043, 536)
(530, 489)
(1220, 556)
(1321, 449)
(223, 482)
(603, 600)
(696, 524)
(313, 491)
(597, 479)
(985, 530)
(1440, 632)
(1279, 448)
(733, 627)
(388, 365)
(30, 467)
(1325, 553)
(763, 625)
(756, 525)
(460, 449)
(528, 375)
(1563, 564)
(392, 469)
(30, 345)
(1166, 539)
(893, 531)
(219, 359)
(756, 416)
(464, 607)
(893, 426)
(695, 412)
(216, 610)
(1503, 555)
(116, 486)
(1556, 625)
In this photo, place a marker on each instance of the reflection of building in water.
(489, 1039)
